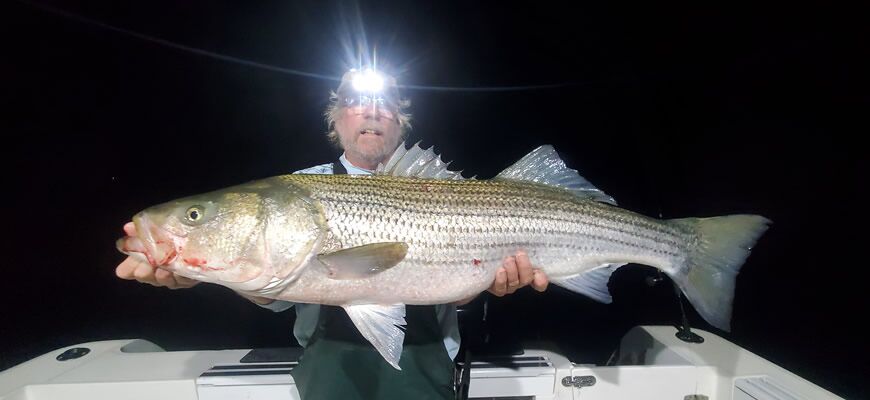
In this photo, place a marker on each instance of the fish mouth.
(134, 247)
(150, 241)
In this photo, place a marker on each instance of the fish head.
(244, 237)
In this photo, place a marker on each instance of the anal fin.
(592, 284)
(382, 326)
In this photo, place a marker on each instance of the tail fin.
(709, 276)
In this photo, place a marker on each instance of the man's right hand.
(135, 269)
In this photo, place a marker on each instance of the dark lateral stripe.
(248, 373)
(254, 366)
(512, 365)
(591, 217)
(509, 358)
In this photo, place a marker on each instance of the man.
(367, 119)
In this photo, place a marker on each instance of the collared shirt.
(307, 314)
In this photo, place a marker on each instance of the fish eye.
(194, 213)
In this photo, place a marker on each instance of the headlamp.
(368, 81)
(368, 87)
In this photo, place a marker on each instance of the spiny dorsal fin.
(417, 162)
(543, 165)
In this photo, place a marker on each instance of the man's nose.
(371, 111)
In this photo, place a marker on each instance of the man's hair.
(334, 109)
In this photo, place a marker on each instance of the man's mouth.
(370, 132)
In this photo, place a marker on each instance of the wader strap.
(338, 168)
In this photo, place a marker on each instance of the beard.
(373, 150)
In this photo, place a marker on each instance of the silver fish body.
(459, 231)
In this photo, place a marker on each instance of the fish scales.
(459, 231)
(473, 198)
(535, 208)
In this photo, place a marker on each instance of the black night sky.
(675, 111)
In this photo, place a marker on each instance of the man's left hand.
(517, 272)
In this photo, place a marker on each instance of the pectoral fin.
(382, 326)
(363, 261)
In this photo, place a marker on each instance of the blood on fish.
(169, 257)
(200, 263)
(150, 259)
(195, 262)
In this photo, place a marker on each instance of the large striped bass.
(418, 233)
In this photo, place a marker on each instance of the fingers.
(171, 280)
(540, 281)
(259, 300)
(524, 269)
(139, 270)
(144, 273)
(499, 285)
(130, 229)
(516, 272)
(513, 276)
(126, 269)
(165, 278)
(184, 282)
(507, 278)
(134, 269)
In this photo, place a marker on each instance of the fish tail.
(709, 275)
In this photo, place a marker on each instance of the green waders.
(338, 363)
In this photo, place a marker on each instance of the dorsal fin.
(543, 165)
(417, 162)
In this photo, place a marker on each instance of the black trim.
(254, 366)
(511, 365)
(247, 373)
(510, 358)
(272, 355)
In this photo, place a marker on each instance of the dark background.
(675, 111)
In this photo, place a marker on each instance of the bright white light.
(368, 81)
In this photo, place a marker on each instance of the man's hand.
(134, 269)
(516, 272)
(259, 300)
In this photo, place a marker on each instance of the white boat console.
(651, 364)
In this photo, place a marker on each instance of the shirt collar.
(353, 169)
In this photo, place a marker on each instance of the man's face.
(368, 133)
